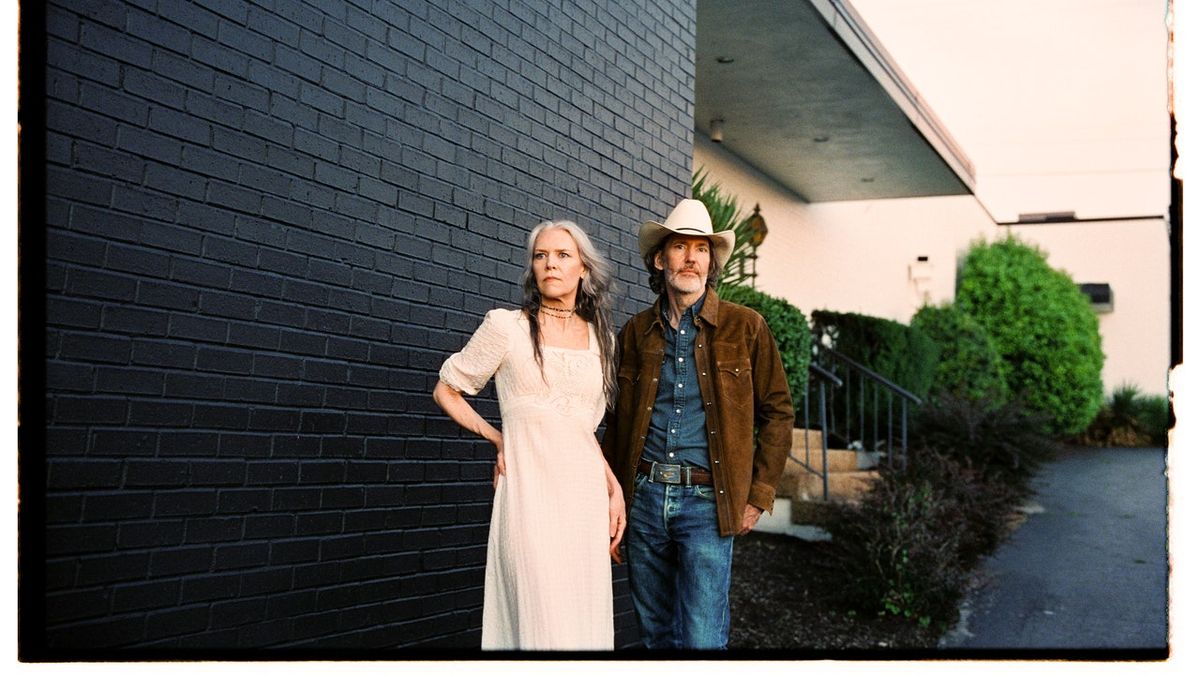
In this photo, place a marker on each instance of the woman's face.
(557, 267)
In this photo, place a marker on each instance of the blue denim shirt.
(677, 432)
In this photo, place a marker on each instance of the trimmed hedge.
(790, 328)
(968, 364)
(900, 353)
(1043, 327)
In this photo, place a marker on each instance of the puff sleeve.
(470, 369)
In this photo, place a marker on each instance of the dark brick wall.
(267, 224)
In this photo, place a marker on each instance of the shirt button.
(671, 454)
(680, 385)
(681, 359)
(683, 332)
(678, 410)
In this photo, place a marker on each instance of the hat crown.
(690, 216)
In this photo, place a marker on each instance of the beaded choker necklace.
(556, 311)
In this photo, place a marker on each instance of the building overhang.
(803, 92)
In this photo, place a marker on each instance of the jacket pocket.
(734, 377)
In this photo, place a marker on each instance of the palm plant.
(726, 215)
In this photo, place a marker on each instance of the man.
(697, 376)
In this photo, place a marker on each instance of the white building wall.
(860, 257)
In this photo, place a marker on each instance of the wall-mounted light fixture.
(716, 129)
(920, 274)
(758, 232)
(921, 270)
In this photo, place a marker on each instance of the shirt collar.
(705, 308)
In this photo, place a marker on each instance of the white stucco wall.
(856, 257)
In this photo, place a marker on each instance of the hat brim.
(652, 233)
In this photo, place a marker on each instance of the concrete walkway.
(1086, 571)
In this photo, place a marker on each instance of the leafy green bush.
(1154, 418)
(790, 328)
(968, 364)
(1043, 327)
(1129, 419)
(895, 551)
(983, 506)
(900, 353)
(1002, 441)
(908, 548)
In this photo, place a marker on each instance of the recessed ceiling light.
(867, 180)
(820, 139)
(724, 59)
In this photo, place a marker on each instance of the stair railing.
(874, 427)
(823, 379)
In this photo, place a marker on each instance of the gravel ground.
(781, 599)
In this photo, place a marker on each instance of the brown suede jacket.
(743, 387)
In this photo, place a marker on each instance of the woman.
(557, 505)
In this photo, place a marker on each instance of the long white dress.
(548, 584)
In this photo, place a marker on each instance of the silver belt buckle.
(665, 473)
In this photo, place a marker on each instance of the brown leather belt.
(674, 474)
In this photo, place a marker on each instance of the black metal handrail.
(823, 379)
(870, 373)
(836, 379)
(869, 427)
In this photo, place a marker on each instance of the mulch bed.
(782, 599)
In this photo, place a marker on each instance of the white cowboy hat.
(690, 218)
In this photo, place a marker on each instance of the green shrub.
(896, 553)
(968, 364)
(908, 547)
(983, 506)
(1043, 327)
(1129, 419)
(1154, 418)
(1002, 441)
(900, 353)
(790, 328)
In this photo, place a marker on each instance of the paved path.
(1087, 570)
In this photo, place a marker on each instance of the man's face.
(684, 261)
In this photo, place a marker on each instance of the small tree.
(1043, 327)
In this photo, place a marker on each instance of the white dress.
(548, 584)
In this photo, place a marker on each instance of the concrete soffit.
(804, 92)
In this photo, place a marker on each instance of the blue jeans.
(679, 566)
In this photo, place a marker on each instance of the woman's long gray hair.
(592, 300)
